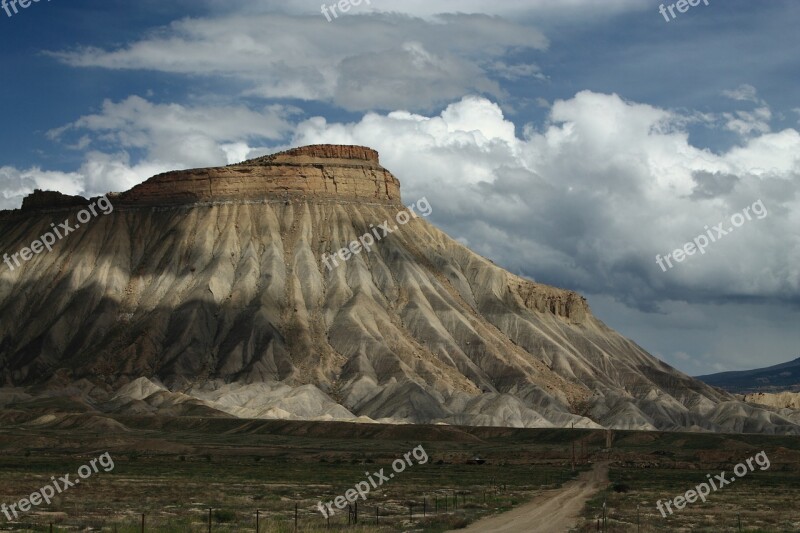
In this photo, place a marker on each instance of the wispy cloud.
(379, 62)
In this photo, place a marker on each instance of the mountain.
(784, 377)
(211, 292)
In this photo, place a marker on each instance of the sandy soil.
(552, 512)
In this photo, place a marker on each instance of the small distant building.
(477, 460)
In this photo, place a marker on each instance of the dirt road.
(554, 511)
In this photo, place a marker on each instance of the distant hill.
(778, 378)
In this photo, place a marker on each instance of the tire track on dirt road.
(553, 511)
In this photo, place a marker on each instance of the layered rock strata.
(323, 171)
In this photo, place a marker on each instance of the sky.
(575, 142)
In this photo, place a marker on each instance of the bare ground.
(554, 511)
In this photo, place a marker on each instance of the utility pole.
(573, 447)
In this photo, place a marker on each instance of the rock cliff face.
(218, 300)
(545, 299)
(322, 171)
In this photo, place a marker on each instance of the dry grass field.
(174, 470)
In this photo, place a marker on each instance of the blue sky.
(582, 137)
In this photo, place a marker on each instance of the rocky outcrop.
(51, 200)
(341, 173)
(546, 299)
(781, 400)
(322, 153)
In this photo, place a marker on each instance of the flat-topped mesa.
(346, 173)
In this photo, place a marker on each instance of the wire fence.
(440, 510)
(450, 508)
